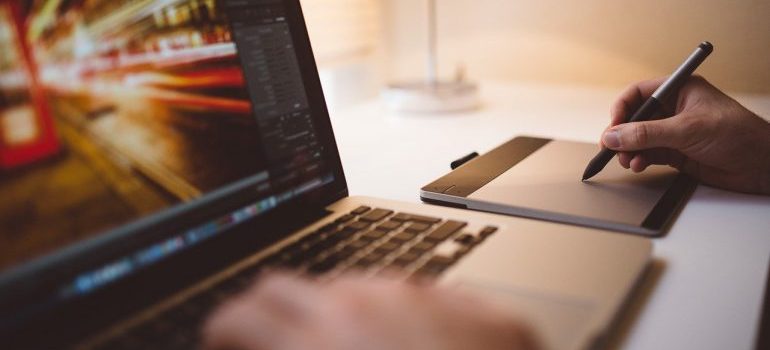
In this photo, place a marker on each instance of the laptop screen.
(113, 111)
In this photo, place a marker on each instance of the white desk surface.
(707, 287)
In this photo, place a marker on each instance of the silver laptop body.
(186, 167)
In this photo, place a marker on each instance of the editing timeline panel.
(277, 91)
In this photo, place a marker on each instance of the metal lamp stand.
(432, 95)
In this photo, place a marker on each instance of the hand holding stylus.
(652, 104)
(709, 136)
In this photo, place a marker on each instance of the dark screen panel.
(154, 104)
(287, 159)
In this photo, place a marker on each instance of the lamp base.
(422, 97)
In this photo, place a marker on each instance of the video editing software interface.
(112, 110)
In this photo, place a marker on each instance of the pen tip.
(707, 46)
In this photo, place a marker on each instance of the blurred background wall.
(599, 42)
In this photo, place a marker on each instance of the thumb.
(637, 136)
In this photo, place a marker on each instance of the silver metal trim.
(536, 214)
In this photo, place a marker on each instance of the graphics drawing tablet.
(540, 178)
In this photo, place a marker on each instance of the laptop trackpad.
(559, 323)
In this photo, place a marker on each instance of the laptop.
(192, 151)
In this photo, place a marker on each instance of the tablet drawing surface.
(541, 178)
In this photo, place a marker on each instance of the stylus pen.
(653, 104)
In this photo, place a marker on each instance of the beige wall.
(603, 42)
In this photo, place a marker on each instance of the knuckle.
(638, 83)
(641, 135)
(650, 134)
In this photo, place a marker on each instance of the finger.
(660, 156)
(631, 98)
(383, 287)
(637, 136)
(275, 305)
(639, 163)
(625, 159)
(242, 325)
(291, 298)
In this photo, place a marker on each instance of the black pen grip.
(646, 111)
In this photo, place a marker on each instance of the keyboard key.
(376, 215)
(422, 247)
(402, 237)
(387, 248)
(372, 235)
(293, 260)
(345, 253)
(360, 210)
(370, 259)
(307, 241)
(428, 271)
(488, 231)
(324, 265)
(466, 239)
(445, 230)
(336, 239)
(312, 252)
(345, 233)
(400, 217)
(358, 225)
(405, 259)
(359, 244)
(435, 266)
(417, 228)
(389, 225)
(332, 260)
(345, 218)
(416, 218)
(424, 219)
(440, 261)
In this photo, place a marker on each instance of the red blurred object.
(34, 114)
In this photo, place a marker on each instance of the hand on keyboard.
(369, 241)
(352, 312)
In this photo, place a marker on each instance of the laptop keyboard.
(368, 240)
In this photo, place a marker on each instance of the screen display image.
(151, 103)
